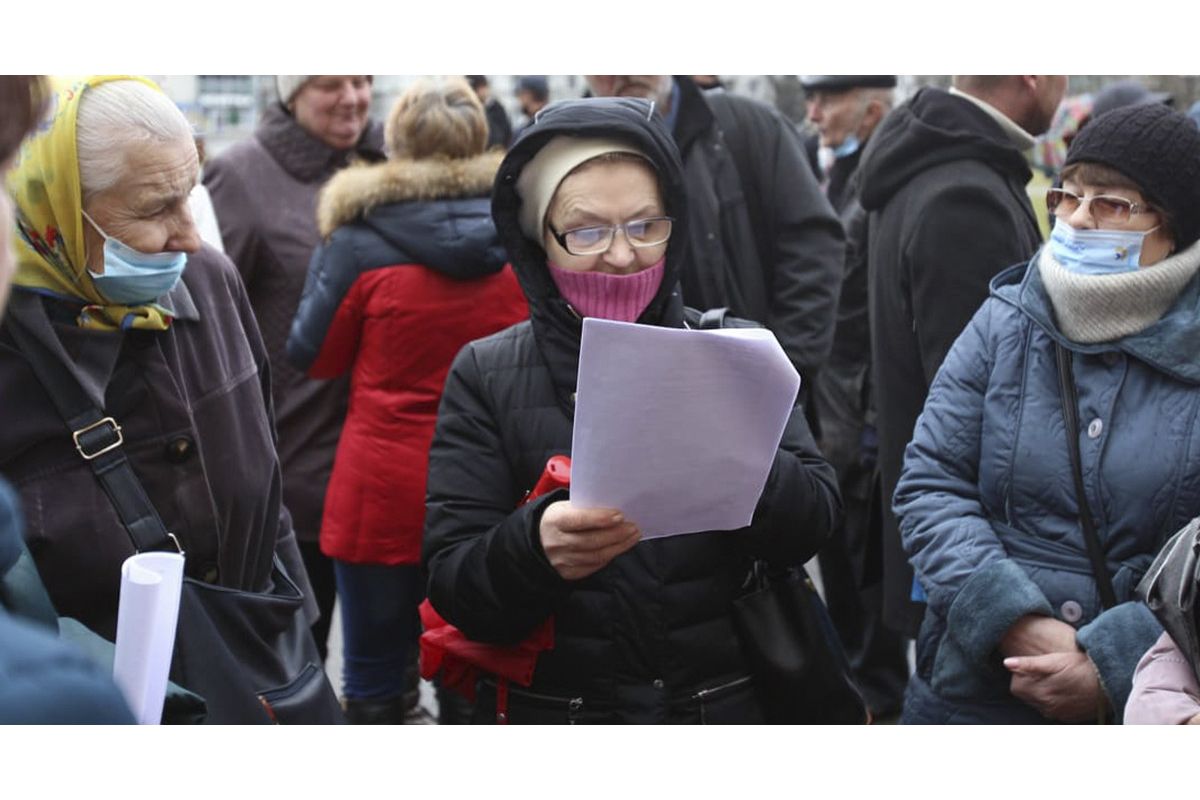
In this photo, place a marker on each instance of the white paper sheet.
(678, 428)
(146, 619)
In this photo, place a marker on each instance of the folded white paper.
(678, 428)
(146, 619)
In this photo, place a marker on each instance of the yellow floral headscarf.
(45, 187)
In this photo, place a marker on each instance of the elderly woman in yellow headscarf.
(114, 284)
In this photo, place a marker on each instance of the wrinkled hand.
(1060, 686)
(579, 541)
(1035, 635)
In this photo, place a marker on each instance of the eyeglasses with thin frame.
(594, 239)
(1105, 208)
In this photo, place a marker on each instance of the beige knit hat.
(540, 178)
(288, 85)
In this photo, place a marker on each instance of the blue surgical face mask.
(132, 277)
(1096, 252)
(848, 147)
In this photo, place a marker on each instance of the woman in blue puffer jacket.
(1015, 629)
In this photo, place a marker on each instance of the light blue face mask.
(1095, 252)
(132, 277)
(848, 147)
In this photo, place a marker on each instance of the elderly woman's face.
(334, 108)
(606, 193)
(1099, 215)
(148, 208)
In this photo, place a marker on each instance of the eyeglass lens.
(597, 239)
(1104, 208)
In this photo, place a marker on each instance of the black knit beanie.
(1157, 148)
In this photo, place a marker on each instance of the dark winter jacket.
(43, 680)
(194, 405)
(264, 191)
(842, 393)
(986, 501)
(500, 132)
(645, 637)
(765, 242)
(843, 187)
(410, 272)
(945, 189)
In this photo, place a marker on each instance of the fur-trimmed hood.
(356, 190)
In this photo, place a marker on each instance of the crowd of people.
(991, 294)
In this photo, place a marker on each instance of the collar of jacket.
(1169, 345)
(695, 118)
(1019, 137)
(357, 189)
(305, 157)
(93, 365)
(844, 180)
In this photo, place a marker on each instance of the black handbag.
(249, 655)
(801, 672)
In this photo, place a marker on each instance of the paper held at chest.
(678, 428)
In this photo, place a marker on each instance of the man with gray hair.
(846, 110)
(943, 180)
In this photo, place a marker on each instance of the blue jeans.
(380, 626)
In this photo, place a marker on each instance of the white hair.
(115, 116)
(885, 97)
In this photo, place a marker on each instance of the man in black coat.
(943, 180)
(765, 242)
(846, 110)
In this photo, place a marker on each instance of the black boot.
(453, 708)
(381, 711)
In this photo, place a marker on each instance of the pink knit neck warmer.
(599, 294)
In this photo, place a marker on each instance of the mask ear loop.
(78, 278)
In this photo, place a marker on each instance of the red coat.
(391, 297)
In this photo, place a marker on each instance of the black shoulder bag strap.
(1070, 402)
(98, 439)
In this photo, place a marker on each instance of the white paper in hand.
(146, 620)
(678, 428)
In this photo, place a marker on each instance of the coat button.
(1071, 611)
(1111, 357)
(1095, 428)
(658, 683)
(501, 717)
(210, 573)
(180, 450)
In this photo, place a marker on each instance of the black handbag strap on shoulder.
(98, 439)
(1070, 402)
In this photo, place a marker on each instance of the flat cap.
(838, 83)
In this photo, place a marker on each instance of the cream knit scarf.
(1104, 308)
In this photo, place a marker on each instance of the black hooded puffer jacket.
(648, 638)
